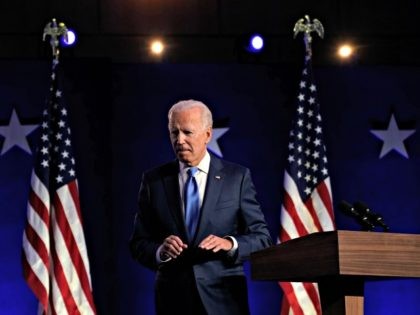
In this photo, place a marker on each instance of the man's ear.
(209, 133)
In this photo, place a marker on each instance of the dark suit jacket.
(229, 208)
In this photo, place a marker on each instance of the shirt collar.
(203, 166)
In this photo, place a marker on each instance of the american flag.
(54, 258)
(307, 203)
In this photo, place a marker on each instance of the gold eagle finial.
(55, 30)
(305, 26)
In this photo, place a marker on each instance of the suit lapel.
(171, 184)
(214, 183)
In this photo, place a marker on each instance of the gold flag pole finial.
(55, 30)
(306, 27)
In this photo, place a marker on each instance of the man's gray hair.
(187, 104)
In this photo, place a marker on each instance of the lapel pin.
(217, 177)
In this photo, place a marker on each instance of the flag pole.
(55, 261)
(307, 202)
(54, 30)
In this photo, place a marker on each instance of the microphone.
(362, 219)
(375, 218)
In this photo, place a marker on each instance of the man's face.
(188, 135)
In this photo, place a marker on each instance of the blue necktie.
(192, 202)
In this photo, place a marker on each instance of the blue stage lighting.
(256, 43)
(70, 40)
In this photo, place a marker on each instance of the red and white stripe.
(55, 261)
(299, 218)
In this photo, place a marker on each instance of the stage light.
(345, 51)
(70, 40)
(256, 44)
(157, 47)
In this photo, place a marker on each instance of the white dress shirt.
(200, 177)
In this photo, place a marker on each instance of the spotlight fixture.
(345, 51)
(157, 47)
(69, 39)
(256, 43)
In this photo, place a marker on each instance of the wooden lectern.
(340, 261)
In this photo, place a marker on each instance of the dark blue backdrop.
(118, 114)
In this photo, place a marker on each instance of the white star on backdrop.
(15, 134)
(393, 138)
(213, 146)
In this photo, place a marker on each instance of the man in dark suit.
(198, 220)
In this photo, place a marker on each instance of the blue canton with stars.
(55, 162)
(307, 154)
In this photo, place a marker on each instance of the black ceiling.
(205, 31)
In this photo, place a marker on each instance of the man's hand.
(216, 243)
(172, 246)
